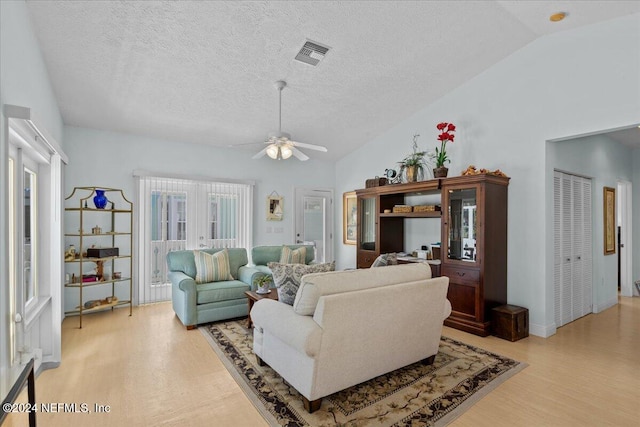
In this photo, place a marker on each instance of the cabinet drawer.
(365, 259)
(461, 275)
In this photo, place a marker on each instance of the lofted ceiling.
(204, 71)
(629, 137)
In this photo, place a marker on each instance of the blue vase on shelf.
(100, 200)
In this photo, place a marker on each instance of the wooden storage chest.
(510, 322)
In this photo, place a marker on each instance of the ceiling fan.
(279, 144)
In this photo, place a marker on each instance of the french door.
(179, 214)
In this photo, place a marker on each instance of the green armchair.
(195, 304)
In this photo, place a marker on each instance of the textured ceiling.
(203, 71)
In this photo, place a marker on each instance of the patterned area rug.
(416, 395)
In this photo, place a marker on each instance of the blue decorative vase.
(100, 200)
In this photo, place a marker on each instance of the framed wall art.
(275, 207)
(349, 218)
(609, 215)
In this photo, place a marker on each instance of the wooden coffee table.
(253, 296)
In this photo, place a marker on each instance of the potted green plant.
(415, 163)
(262, 283)
(446, 135)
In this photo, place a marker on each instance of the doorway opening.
(624, 223)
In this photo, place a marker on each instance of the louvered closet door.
(572, 247)
(587, 247)
(577, 248)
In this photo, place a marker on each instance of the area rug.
(416, 395)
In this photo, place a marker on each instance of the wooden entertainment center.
(473, 250)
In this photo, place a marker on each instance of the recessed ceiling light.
(556, 17)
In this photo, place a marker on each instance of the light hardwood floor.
(153, 372)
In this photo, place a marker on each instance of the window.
(30, 238)
(12, 263)
(24, 230)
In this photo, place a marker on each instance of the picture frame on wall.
(275, 208)
(350, 217)
(609, 217)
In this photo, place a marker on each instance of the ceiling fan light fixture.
(285, 151)
(279, 145)
(279, 151)
(273, 151)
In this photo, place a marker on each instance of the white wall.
(108, 159)
(605, 161)
(23, 76)
(24, 81)
(568, 83)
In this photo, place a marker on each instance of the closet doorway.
(572, 243)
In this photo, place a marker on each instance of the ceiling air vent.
(311, 53)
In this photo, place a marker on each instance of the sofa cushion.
(221, 291)
(263, 255)
(287, 277)
(184, 261)
(313, 286)
(295, 256)
(212, 267)
(385, 259)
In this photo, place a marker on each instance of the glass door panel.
(367, 224)
(222, 220)
(462, 223)
(314, 224)
(168, 230)
(314, 221)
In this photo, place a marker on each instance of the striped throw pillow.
(295, 256)
(212, 267)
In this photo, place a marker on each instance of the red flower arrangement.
(446, 135)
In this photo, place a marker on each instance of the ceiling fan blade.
(260, 153)
(299, 154)
(309, 146)
(246, 144)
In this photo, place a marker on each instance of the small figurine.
(70, 254)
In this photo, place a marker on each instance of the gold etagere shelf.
(79, 202)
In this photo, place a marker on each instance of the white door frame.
(624, 208)
(298, 222)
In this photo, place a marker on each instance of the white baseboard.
(542, 330)
(605, 305)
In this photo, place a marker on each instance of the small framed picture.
(275, 208)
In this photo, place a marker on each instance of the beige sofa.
(347, 327)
